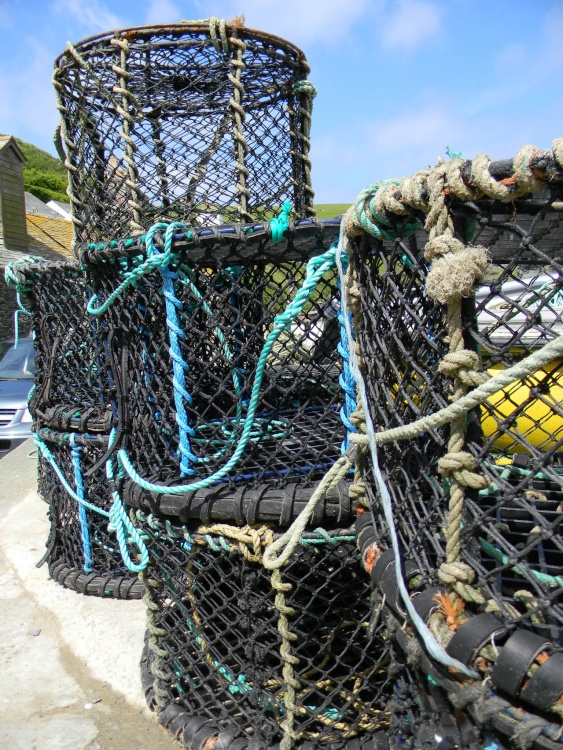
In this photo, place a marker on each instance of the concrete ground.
(69, 664)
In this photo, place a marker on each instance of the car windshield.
(18, 364)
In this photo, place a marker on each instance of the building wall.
(13, 232)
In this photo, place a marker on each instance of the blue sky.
(398, 80)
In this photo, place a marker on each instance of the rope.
(120, 522)
(316, 268)
(14, 273)
(280, 224)
(49, 456)
(127, 100)
(435, 649)
(175, 333)
(479, 395)
(285, 544)
(346, 379)
(239, 115)
(306, 92)
(289, 660)
(76, 454)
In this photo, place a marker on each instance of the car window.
(18, 364)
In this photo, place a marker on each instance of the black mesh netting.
(73, 389)
(82, 554)
(213, 669)
(511, 545)
(189, 122)
(187, 347)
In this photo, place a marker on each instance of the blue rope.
(175, 334)
(118, 519)
(82, 513)
(346, 378)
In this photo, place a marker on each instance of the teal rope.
(151, 264)
(522, 569)
(12, 275)
(20, 311)
(120, 522)
(280, 224)
(316, 269)
(376, 224)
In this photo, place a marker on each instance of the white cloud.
(91, 15)
(408, 23)
(301, 21)
(163, 11)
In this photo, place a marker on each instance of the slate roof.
(35, 206)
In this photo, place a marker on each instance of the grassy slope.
(329, 210)
(43, 175)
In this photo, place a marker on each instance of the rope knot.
(455, 268)
(305, 87)
(459, 576)
(457, 572)
(442, 245)
(461, 466)
(463, 365)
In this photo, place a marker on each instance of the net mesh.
(167, 123)
(229, 288)
(82, 554)
(72, 382)
(214, 643)
(496, 600)
(516, 436)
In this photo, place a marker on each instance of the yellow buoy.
(534, 408)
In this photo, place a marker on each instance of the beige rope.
(128, 100)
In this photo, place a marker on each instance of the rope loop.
(121, 524)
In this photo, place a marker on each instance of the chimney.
(13, 233)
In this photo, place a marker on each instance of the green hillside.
(330, 210)
(43, 175)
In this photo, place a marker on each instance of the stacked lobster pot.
(73, 407)
(187, 147)
(457, 298)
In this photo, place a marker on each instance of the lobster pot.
(195, 122)
(511, 550)
(215, 394)
(73, 389)
(81, 553)
(213, 662)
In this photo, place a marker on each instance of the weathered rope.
(239, 116)
(128, 119)
(479, 395)
(306, 91)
